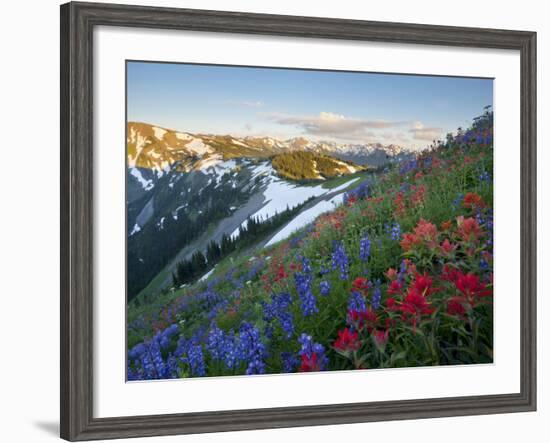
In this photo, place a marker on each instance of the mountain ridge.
(158, 148)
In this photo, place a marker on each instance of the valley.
(186, 192)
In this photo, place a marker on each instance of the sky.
(343, 107)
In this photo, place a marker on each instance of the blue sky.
(321, 105)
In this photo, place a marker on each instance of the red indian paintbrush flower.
(415, 304)
(347, 341)
(447, 247)
(391, 273)
(473, 201)
(468, 228)
(455, 306)
(362, 319)
(471, 287)
(409, 241)
(360, 284)
(381, 337)
(446, 225)
(423, 285)
(424, 233)
(395, 287)
(281, 273)
(310, 364)
(449, 273)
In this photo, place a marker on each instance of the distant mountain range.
(157, 148)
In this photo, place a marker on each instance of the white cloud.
(333, 125)
(421, 132)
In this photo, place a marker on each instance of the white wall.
(29, 107)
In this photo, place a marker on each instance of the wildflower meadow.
(399, 275)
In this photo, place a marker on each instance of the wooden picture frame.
(77, 23)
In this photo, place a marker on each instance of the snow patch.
(160, 224)
(198, 147)
(145, 184)
(210, 162)
(135, 230)
(208, 274)
(183, 136)
(306, 217)
(238, 143)
(280, 194)
(159, 132)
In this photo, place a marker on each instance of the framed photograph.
(272, 221)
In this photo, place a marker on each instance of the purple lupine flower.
(250, 349)
(279, 309)
(148, 362)
(309, 347)
(290, 362)
(457, 201)
(302, 282)
(340, 260)
(195, 360)
(364, 247)
(376, 295)
(484, 177)
(166, 335)
(215, 342)
(306, 265)
(230, 354)
(358, 193)
(408, 166)
(394, 229)
(308, 302)
(324, 286)
(356, 302)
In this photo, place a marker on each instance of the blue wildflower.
(364, 247)
(356, 302)
(484, 177)
(279, 309)
(458, 201)
(250, 349)
(394, 229)
(195, 360)
(308, 302)
(324, 287)
(408, 166)
(376, 296)
(340, 260)
(308, 348)
(290, 362)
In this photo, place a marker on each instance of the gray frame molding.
(77, 24)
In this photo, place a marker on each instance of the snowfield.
(197, 146)
(281, 194)
(306, 217)
(183, 136)
(159, 132)
(208, 274)
(209, 162)
(145, 184)
(135, 229)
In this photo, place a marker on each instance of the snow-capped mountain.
(159, 149)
